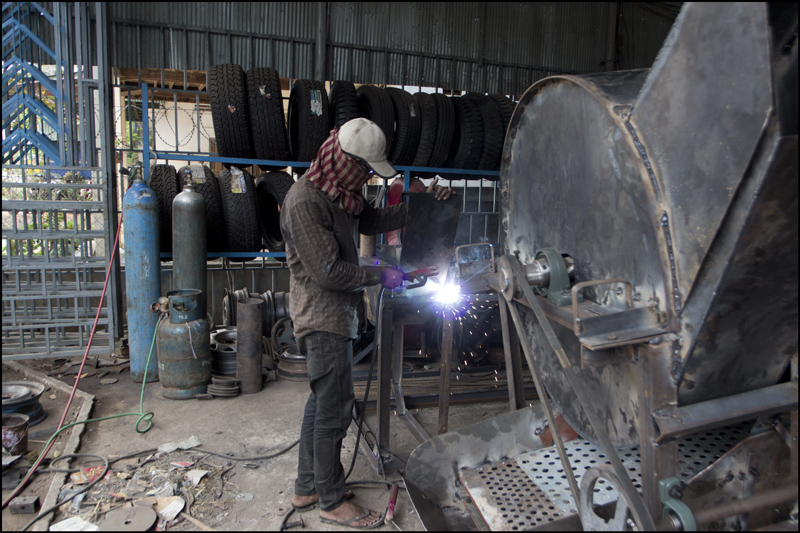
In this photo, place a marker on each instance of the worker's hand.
(442, 193)
(391, 278)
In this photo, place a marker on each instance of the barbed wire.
(162, 117)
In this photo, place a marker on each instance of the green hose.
(148, 416)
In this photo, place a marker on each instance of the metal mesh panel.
(532, 488)
(54, 260)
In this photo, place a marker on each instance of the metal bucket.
(15, 433)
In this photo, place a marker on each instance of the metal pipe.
(321, 56)
(444, 379)
(757, 501)
(249, 325)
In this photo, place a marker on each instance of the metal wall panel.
(475, 46)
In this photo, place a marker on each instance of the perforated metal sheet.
(507, 497)
(532, 488)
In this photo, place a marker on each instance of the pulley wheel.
(625, 517)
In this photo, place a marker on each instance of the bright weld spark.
(449, 294)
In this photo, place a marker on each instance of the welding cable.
(375, 355)
(107, 465)
(257, 458)
(45, 512)
(28, 476)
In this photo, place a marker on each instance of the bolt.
(741, 476)
(729, 477)
(676, 492)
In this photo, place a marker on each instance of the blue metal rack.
(149, 154)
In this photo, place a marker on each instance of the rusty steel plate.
(507, 497)
(129, 519)
(531, 489)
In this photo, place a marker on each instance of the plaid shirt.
(325, 278)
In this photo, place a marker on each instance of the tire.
(445, 120)
(506, 109)
(426, 108)
(376, 105)
(406, 127)
(271, 189)
(164, 182)
(208, 188)
(343, 103)
(467, 146)
(228, 93)
(308, 119)
(240, 211)
(267, 122)
(493, 133)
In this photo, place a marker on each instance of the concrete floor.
(244, 426)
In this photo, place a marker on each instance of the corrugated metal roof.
(478, 46)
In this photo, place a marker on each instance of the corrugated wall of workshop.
(475, 46)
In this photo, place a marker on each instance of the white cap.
(363, 139)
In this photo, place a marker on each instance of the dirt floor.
(225, 483)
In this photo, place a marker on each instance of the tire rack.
(149, 154)
(278, 264)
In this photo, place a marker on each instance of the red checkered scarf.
(338, 175)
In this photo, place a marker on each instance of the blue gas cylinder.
(184, 346)
(142, 276)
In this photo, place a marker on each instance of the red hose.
(42, 455)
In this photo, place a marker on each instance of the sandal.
(347, 523)
(348, 495)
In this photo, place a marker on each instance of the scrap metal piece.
(129, 519)
(24, 505)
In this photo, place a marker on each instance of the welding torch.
(420, 276)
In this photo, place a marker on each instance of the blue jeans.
(329, 358)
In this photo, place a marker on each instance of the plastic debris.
(87, 475)
(196, 475)
(168, 508)
(168, 447)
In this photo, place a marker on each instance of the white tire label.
(316, 102)
(198, 174)
(238, 185)
(411, 110)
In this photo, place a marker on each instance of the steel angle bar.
(637, 504)
(551, 421)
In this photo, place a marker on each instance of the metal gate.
(58, 202)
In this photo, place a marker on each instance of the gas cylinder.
(184, 350)
(142, 275)
(189, 241)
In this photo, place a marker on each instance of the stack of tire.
(249, 123)
(429, 130)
